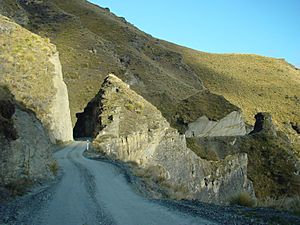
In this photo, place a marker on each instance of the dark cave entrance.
(88, 124)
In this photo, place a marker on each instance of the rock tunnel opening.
(87, 125)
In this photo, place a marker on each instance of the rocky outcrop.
(133, 130)
(26, 150)
(30, 68)
(273, 168)
(61, 125)
(231, 125)
(296, 127)
(264, 124)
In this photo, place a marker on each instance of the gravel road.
(92, 192)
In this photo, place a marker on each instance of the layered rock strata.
(133, 130)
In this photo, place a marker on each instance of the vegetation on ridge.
(252, 82)
(30, 83)
(93, 42)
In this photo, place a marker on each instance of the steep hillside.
(253, 83)
(31, 69)
(183, 84)
(25, 148)
(93, 42)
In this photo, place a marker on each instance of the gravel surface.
(89, 192)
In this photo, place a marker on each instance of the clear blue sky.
(264, 27)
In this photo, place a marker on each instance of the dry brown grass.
(291, 204)
(243, 199)
(252, 82)
(26, 69)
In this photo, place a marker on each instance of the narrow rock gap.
(87, 124)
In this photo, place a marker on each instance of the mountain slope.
(93, 42)
(252, 82)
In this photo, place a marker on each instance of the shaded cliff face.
(31, 70)
(133, 130)
(7, 107)
(26, 150)
(273, 167)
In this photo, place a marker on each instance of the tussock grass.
(26, 69)
(243, 199)
(291, 204)
(53, 167)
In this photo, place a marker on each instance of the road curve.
(94, 192)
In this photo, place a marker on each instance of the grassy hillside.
(25, 67)
(183, 83)
(93, 42)
(253, 83)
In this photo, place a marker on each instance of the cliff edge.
(31, 69)
(132, 130)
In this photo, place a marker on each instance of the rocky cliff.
(31, 69)
(93, 42)
(273, 167)
(133, 130)
(26, 150)
(231, 125)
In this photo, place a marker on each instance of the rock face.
(26, 150)
(133, 130)
(296, 127)
(30, 68)
(61, 125)
(273, 168)
(264, 124)
(231, 125)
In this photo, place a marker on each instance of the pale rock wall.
(30, 155)
(61, 126)
(231, 125)
(145, 137)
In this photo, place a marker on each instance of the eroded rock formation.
(273, 168)
(26, 150)
(133, 130)
(231, 125)
(31, 69)
(264, 124)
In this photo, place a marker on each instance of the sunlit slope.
(254, 83)
(94, 42)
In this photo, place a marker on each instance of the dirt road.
(95, 192)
